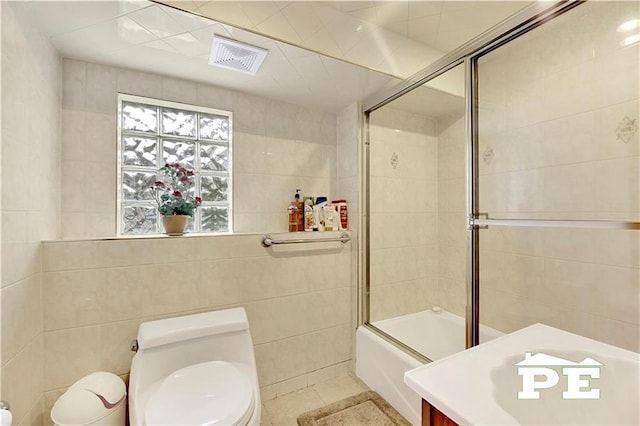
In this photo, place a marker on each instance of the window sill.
(144, 237)
(280, 235)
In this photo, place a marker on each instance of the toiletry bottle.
(341, 207)
(318, 216)
(300, 216)
(294, 213)
(330, 223)
(308, 214)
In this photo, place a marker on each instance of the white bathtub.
(381, 365)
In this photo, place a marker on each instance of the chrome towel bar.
(268, 241)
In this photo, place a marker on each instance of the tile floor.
(284, 410)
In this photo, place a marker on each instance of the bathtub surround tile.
(404, 211)
(610, 118)
(622, 247)
(618, 293)
(616, 184)
(621, 333)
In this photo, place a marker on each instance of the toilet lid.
(210, 393)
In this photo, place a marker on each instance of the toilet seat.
(209, 393)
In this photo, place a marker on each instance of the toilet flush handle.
(134, 346)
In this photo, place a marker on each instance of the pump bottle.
(295, 213)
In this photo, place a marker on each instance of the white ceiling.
(322, 54)
(443, 25)
(398, 37)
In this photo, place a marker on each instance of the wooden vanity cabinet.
(431, 416)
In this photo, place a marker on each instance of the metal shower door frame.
(468, 54)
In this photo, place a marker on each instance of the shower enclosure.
(501, 187)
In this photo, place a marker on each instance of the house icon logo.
(545, 368)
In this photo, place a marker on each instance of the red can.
(341, 207)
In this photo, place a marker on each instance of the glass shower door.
(559, 173)
(417, 239)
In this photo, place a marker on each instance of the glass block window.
(153, 132)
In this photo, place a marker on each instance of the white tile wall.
(31, 95)
(96, 293)
(278, 147)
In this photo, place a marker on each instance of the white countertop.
(480, 385)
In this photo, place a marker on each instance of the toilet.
(195, 370)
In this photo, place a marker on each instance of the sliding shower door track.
(397, 343)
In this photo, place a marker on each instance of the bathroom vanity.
(536, 375)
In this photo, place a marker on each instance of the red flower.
(177, 194)
(198, 200)
(159, 184)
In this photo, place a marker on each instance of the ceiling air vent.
(236, 56)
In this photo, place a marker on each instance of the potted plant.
(173, 195)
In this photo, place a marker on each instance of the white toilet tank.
(182, 343)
